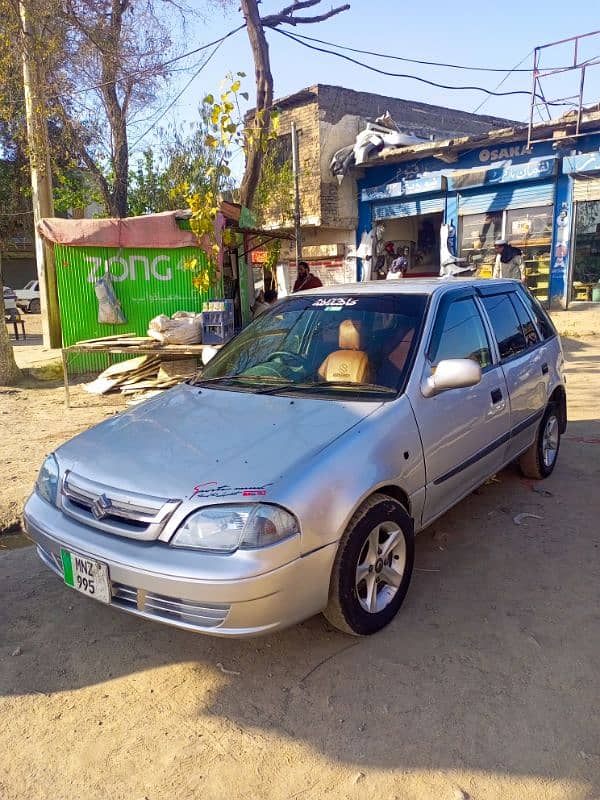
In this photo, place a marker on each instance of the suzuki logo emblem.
(101, 507)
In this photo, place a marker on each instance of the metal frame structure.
(538, 99)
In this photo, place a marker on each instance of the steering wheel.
(286, 355)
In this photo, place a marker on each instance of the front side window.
(348, 345)
(459, 333)
(506, 325)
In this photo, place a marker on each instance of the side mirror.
(208, 353)
(452, 373)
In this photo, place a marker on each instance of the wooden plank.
(106, 338)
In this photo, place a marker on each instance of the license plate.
(86, 575)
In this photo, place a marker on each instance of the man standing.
(305, 279)
(509, 261)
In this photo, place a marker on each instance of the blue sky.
(468, 33)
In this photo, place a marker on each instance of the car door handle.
(496, 395)
(544, 369)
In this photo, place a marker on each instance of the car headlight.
(225, 529)
(47, 481)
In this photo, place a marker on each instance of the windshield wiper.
(325, 385)
(199, 381)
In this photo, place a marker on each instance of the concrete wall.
(421, 118)
(305, 116)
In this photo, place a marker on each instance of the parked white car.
(291, 476)
(10, 301)
(28, 298)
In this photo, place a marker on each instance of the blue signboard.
(424, 184)
(534, 169)
(588, 162)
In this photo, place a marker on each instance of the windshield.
(354, 345)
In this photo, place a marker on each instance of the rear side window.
(529, 332)
(459, 333)
(506, 325)
(545, 327)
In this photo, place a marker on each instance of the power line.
(176, 98)
(410, 60)
(146, 70)
(505, 78)
(402, 75)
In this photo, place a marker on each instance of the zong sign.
(131, 268)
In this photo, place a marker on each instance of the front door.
(464, 431)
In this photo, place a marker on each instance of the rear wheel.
(34, 306)
(539, 461)
(373, 567)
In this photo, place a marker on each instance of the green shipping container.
(147, 282)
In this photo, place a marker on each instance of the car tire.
(34, 306)
(539, 460)
(373, 567)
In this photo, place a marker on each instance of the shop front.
(513, 202)
(407, 217)
(544, 201)
(584, 171)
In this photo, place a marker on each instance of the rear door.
(464, 432)
(523, 362)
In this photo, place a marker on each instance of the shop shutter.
(507, 196)
(586, 189)
(408, 208)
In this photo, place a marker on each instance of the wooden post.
(297, 211)
(41, 179)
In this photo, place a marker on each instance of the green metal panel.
(147, 282)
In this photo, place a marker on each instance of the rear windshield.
(348, 345)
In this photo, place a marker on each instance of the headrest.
(350, 335)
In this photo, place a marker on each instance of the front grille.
(154, 606)
(113, 510)
(174, 609)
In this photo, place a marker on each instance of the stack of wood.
(142, 377)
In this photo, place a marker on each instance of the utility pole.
(41, 179)
(297, 216)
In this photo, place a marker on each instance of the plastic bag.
(182, 328)
(109, 308)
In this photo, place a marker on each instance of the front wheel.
(34, 306)
(539, 461)
(373, 567)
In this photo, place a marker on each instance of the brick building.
(329, 118)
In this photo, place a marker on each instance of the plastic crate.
(218, 333)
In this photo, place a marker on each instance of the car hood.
(207, 442)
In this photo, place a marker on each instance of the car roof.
(426, 286)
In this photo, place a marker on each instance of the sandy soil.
(485, 686)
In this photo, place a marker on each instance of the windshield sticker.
(332, 308)
(330, 302)
(214, 489)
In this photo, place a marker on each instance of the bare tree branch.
(261, 124)
(286, 16)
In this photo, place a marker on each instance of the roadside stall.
(124, 286)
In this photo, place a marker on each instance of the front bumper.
(155, 581)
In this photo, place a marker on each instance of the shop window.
(506, 326)
(529, 229)
(586, 262)
(477, 236)
(459, 333)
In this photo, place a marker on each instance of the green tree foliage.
(184, 164)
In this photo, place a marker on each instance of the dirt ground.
(485, 686)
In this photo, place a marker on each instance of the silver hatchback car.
(291, 475)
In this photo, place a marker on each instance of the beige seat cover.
(349, 363)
